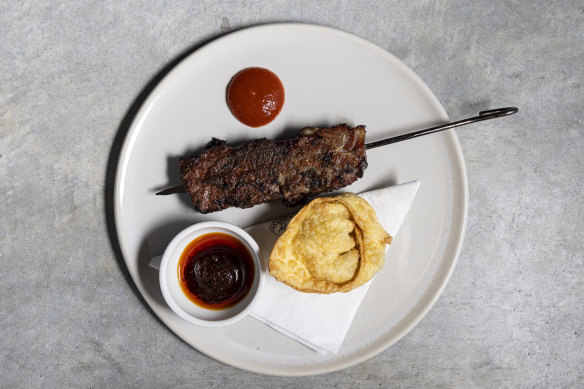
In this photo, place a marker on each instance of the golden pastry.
(334, 244)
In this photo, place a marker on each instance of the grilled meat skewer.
(318, 160)
(258, 171)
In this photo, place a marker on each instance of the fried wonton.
(334, 244)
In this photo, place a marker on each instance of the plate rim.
(133, 132)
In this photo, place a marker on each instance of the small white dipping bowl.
(175, 297)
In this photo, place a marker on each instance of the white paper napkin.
(320, 321)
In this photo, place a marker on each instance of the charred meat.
(258, 171)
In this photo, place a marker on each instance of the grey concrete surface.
(70, 75)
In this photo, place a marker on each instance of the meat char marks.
(258, 171)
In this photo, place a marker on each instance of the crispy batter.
(334, 244)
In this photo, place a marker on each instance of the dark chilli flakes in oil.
(216, 271)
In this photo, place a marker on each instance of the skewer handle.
(483, 115)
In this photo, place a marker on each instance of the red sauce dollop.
(216, 271)
(255, 96)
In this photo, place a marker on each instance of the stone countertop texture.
(70, 75)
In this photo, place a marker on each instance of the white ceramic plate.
(330, 77)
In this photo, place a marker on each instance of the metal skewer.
(171, 190)
(483, 115)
